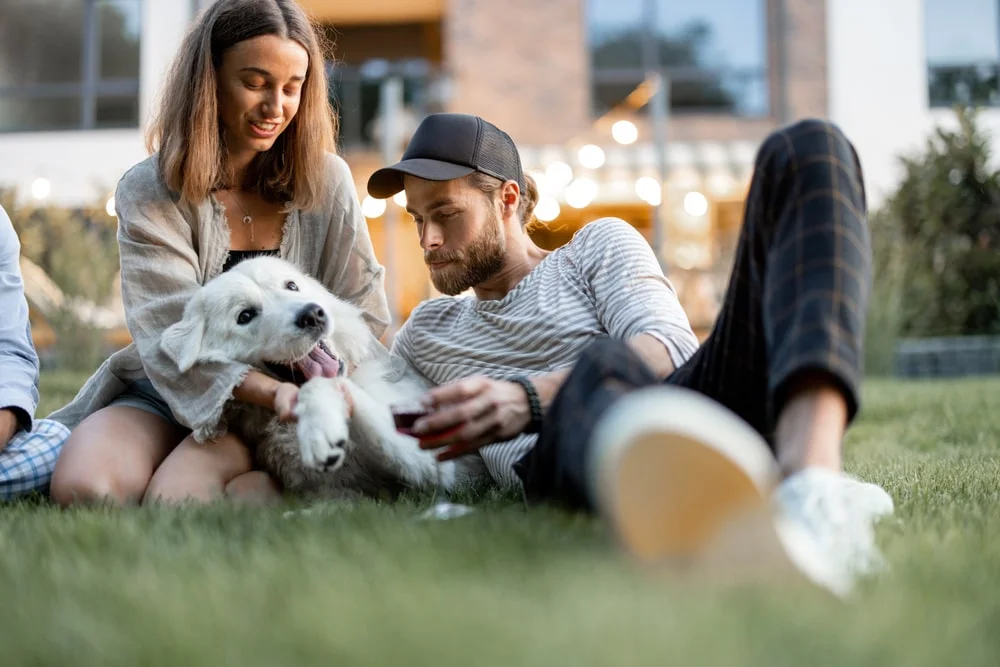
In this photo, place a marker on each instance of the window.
(69, 64)
(366, 55)
(713, 51)
(963, 51)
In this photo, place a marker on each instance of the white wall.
(878, 86)
(83, 167)
(878, 83)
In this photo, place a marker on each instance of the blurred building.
(567, 78)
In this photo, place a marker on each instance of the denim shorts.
(142, 395)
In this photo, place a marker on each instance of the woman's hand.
(472, 413)
(286, 395)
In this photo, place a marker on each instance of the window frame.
(993, 66)
(684, 74)
(89, 89)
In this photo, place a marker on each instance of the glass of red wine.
(405, 415)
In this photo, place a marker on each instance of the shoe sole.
(682, 480)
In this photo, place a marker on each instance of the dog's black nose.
(311, 317)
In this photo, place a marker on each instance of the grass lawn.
(369, 586)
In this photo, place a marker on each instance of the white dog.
(266, 313)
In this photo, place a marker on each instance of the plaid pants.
(796, 302)
(26, 463)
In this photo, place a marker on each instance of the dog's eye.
(246, 316)
(291, 286)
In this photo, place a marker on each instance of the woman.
(244, 134)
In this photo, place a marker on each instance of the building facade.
(570, 80)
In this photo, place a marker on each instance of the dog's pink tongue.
(319, 364)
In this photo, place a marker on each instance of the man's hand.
(8, 427)
(470, 414)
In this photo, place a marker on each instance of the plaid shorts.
(27, 462)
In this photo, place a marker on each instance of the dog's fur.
(324, 455)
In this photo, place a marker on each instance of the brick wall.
(522, 64)
(805, 34)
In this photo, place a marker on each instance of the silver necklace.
(247, 218)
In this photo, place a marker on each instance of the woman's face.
(260, 85)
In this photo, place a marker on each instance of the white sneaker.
(679, 477)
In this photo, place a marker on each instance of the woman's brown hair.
(187, 131)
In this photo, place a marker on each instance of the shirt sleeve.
(18, 358)
(159, 267)
(631, 295)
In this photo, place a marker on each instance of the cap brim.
(387, 181)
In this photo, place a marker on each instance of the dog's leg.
(322, 424)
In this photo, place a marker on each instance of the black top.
(237, 256)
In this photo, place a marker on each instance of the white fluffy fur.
(325, 454)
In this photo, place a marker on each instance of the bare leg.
(201, 472)
(254, 488)
(111, 456)
(811, 426)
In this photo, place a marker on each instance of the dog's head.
(264, 310)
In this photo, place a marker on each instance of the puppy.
(266, 313)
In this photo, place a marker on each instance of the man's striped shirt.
(605, 282)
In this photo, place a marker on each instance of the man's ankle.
(811, 426)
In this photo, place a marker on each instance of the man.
(683, 448)
(28, 449)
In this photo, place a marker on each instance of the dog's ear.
(182, 342)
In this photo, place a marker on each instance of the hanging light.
(591, 156)
(581, 192)
(400, 199)
(41, 188)
(547, 209)
(695, 204)
(559, 174)
(624, 132)
(648, 190)
(372, 208)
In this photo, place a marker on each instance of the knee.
(806, 139)
(604, 353)
(88, 485)
(611, 357)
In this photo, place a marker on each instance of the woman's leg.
(209, 471)
(111, 456)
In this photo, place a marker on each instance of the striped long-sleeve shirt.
(604, 282)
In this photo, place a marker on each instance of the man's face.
(460, 232)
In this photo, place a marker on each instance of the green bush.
(937, 244)
(78, 248)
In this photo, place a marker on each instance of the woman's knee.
(110, 457)
(199, 472)
(76, 480)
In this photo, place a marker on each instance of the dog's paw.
(322, 425)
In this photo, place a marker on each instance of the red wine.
(405, 419)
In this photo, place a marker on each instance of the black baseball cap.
(446, 146)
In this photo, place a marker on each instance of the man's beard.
(482, 260)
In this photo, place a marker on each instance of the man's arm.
(18, 359)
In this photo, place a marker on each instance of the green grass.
(370, 586)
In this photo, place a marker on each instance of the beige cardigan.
(168, 249)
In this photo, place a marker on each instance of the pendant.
(247, 220)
